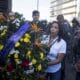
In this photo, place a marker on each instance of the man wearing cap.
(38, 27)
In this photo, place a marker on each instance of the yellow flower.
(5, 30)
(41, 55)
(1, 46)
(3, 33)
(27, 35)
(17, 60)
(21, 39)
(28, 54)
(17, 44)
(39, 67)
(16, 56)
(34, 61)
(26, 40)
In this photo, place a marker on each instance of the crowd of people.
(62, 39)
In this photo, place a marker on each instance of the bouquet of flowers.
(26, 61)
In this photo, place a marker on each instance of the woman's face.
(54, 29)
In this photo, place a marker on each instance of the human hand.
(77, 67)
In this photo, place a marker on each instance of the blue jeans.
(54, 76)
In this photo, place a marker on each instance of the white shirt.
(55, 50)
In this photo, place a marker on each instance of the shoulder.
(42, 22)
(66, 22)
(62, 42)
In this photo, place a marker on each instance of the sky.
(26, 7)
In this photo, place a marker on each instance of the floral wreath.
(26, 60)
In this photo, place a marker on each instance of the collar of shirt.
(52, 41)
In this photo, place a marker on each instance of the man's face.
(36, 17)
(11, 16)
(60, 18)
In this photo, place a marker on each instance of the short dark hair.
(61, 15)
(35, 12)
(75, 21)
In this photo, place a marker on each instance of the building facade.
(5, 6)
(69, 8)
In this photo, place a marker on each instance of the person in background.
(75, 24)
(57, 51)
(76, 46)
(11, 16)
(76, 54)
(67, 36)
(35, 16)
(38, 28)
(75, 29)
(12, 19)
(41, 24)
(13, 23)
(67, 30)
(48, 28)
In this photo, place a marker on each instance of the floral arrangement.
(3, 30)
(27, 60)
(8, 27)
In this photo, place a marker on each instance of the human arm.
(58, 60)
(60, 54)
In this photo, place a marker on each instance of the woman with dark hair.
(56, 52)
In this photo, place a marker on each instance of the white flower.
(14, 51)
(1, 27)
(17, 22)
(5, 26)
(29, 71)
